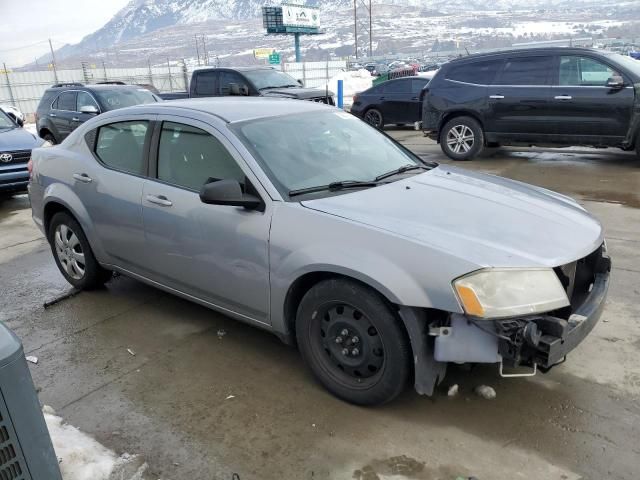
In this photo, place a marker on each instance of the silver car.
(305, 221)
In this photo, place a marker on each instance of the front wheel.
(462, 138)
(353, 342)
(73, 255)
(50, 138)
(374, 118)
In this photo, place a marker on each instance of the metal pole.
(6, 73)
(296, 39)
(370, 31)
(150, 71)
(170, 82)
(340, 93)
(104, 70)
(53, 62)
(355, 26)
(206, 52)
(197, 49)
(185, 75)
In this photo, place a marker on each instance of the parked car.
(299, 219)
(14, 113)
(15, 152)
(396, 101)
(248, 81)
(65, 106)
(543, 96)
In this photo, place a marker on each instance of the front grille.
(17, 156)
(328, 100)
(577, 277)
(11, 467)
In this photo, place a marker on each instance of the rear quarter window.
(477, 73)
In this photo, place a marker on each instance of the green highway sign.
(274, 58)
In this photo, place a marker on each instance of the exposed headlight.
(497, 293)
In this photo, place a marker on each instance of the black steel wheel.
(353, 342)
(373, 117)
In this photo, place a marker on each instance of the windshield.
(5, 121)
(627, 62)
(269, 78)
(318, 148)
(120, 98)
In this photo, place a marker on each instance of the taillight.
(35, 116)
(355, 98)
(30, 168)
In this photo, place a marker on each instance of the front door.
(397, 95)
(218, 254)
(62, 112)
(519, 99)
(584, 108)
(83, 99)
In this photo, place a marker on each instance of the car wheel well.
(452, 115)
(50, 210)
(303, 284)
(44, 131)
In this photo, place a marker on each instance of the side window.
(399, 86)
(85, 100)
(418, 85)
(121, 146)
(188, 157)
(54, 105)
(478, 73)
(375, 90)
(526, 71)
(67, 101)
(206, 83)
(584, 72)
(227, 79)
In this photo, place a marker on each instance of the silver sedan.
(301, 219)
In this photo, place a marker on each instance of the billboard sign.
(300, 16)
(263, 52)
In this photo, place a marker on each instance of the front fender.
(65, 196)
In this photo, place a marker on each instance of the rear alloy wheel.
(50, 138)
(374, 118)
(462, 138)
(73, 254)
(353, 342)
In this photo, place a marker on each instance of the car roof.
(237, 69)
(528, 51)
(231, 109)
(96, 87)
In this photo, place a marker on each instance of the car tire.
(353, 342)
(73, 254)
(374, 117)
(462, 138)
(50, 138)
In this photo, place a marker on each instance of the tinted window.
(188, 157)
(124, 97)
(375, 90)
(526, 71)
(121, 146)
(67, 101)
(206, 83)
(584, 71)
(418, 85)
(84, 100)
(401, 86)
(228, 78)
(479, 73)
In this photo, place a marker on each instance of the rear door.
(205, 85)
(396, 100)
(62, 112)
(519, 99)
(583, 108)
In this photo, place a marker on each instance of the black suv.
(65, 106)
(544, 96)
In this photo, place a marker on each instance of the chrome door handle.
(75, 119)
(52, 115)
(496, 97)
(82, 177)
(563, 97)
(159, 200)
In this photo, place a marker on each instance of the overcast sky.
(24, 23)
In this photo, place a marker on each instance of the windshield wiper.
(279, 86)
(333, 187)
(402, 169)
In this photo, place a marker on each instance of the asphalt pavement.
(201, 396)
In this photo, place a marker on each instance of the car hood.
(484, 219)
(295, 92)
(18, 139)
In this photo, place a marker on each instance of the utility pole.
(206, 52)
(370, 32)
(197, 49)
(355, 25)
(53, 62)
(170, 81)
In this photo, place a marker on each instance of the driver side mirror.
(90, 109)
(229, 192)
(301, 83)
(615, 82)
(235, 89)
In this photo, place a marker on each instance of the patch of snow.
(83, 458)
(485, 391)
